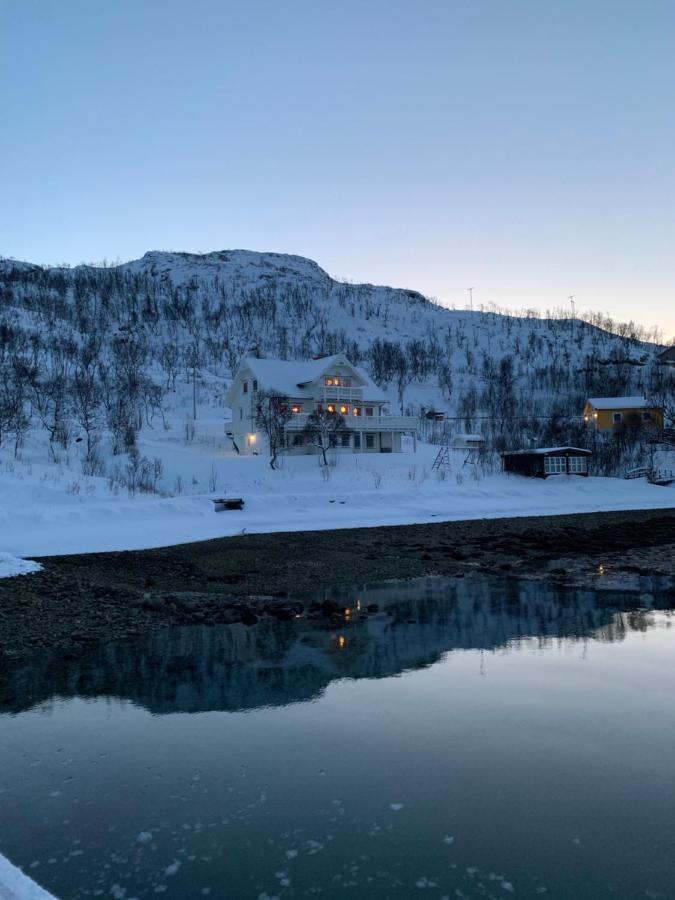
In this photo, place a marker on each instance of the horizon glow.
(521, 149)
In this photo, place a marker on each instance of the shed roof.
(619, 403)
(545, 451)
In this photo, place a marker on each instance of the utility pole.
(470, 290)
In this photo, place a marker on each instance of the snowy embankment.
(41, 518)
(14, 885)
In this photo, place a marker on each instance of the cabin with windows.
(540, 462)
(331, 384)
(615, 414)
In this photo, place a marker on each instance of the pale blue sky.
(526, 148)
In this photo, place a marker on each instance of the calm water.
(473, 738)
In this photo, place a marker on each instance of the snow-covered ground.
(46, 512)
(14, 885)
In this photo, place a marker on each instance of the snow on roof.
(619, 402)
(293, 377)
(544, 450)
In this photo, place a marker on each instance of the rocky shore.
(76, 601)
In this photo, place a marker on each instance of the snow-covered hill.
(103, 367)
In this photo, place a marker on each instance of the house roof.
(294, 377)
(619, 403)
(544, 451)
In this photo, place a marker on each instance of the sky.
(524, 149)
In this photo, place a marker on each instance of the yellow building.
(611, 414)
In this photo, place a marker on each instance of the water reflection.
(382, 630)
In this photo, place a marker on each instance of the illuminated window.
(336, 379)
(344, 409)
(331, 407)
(296, 408)
(356, 410)
(329, 381)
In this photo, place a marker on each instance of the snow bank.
(12, 565)
(40, 518)
(14, 885)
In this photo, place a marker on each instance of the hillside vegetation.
(98, 354)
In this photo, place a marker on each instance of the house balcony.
(347, 394)
(363, 423)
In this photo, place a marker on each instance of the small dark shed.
(540, 462)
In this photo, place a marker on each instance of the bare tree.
(273, 411)
(323, 429)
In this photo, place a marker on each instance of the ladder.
(442, 460)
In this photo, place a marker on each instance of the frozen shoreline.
(15, 885)
(37, 520)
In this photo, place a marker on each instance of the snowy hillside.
(112, 385)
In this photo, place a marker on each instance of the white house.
(330, 383)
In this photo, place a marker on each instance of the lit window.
(331, 407)
(296, 408)
(344, 409)
(246, 387)
(356, 410)
(329, 381)
(336, 379)
(369, 410)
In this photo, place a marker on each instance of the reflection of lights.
(601, 569)
(358, 605)
(342, 642)
(348, 613)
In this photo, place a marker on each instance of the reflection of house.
(544, 461)
(239, 667)
(667, 357)
(331, 384)
(612, 414)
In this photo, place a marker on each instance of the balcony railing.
(347, 394)
(363, 423)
